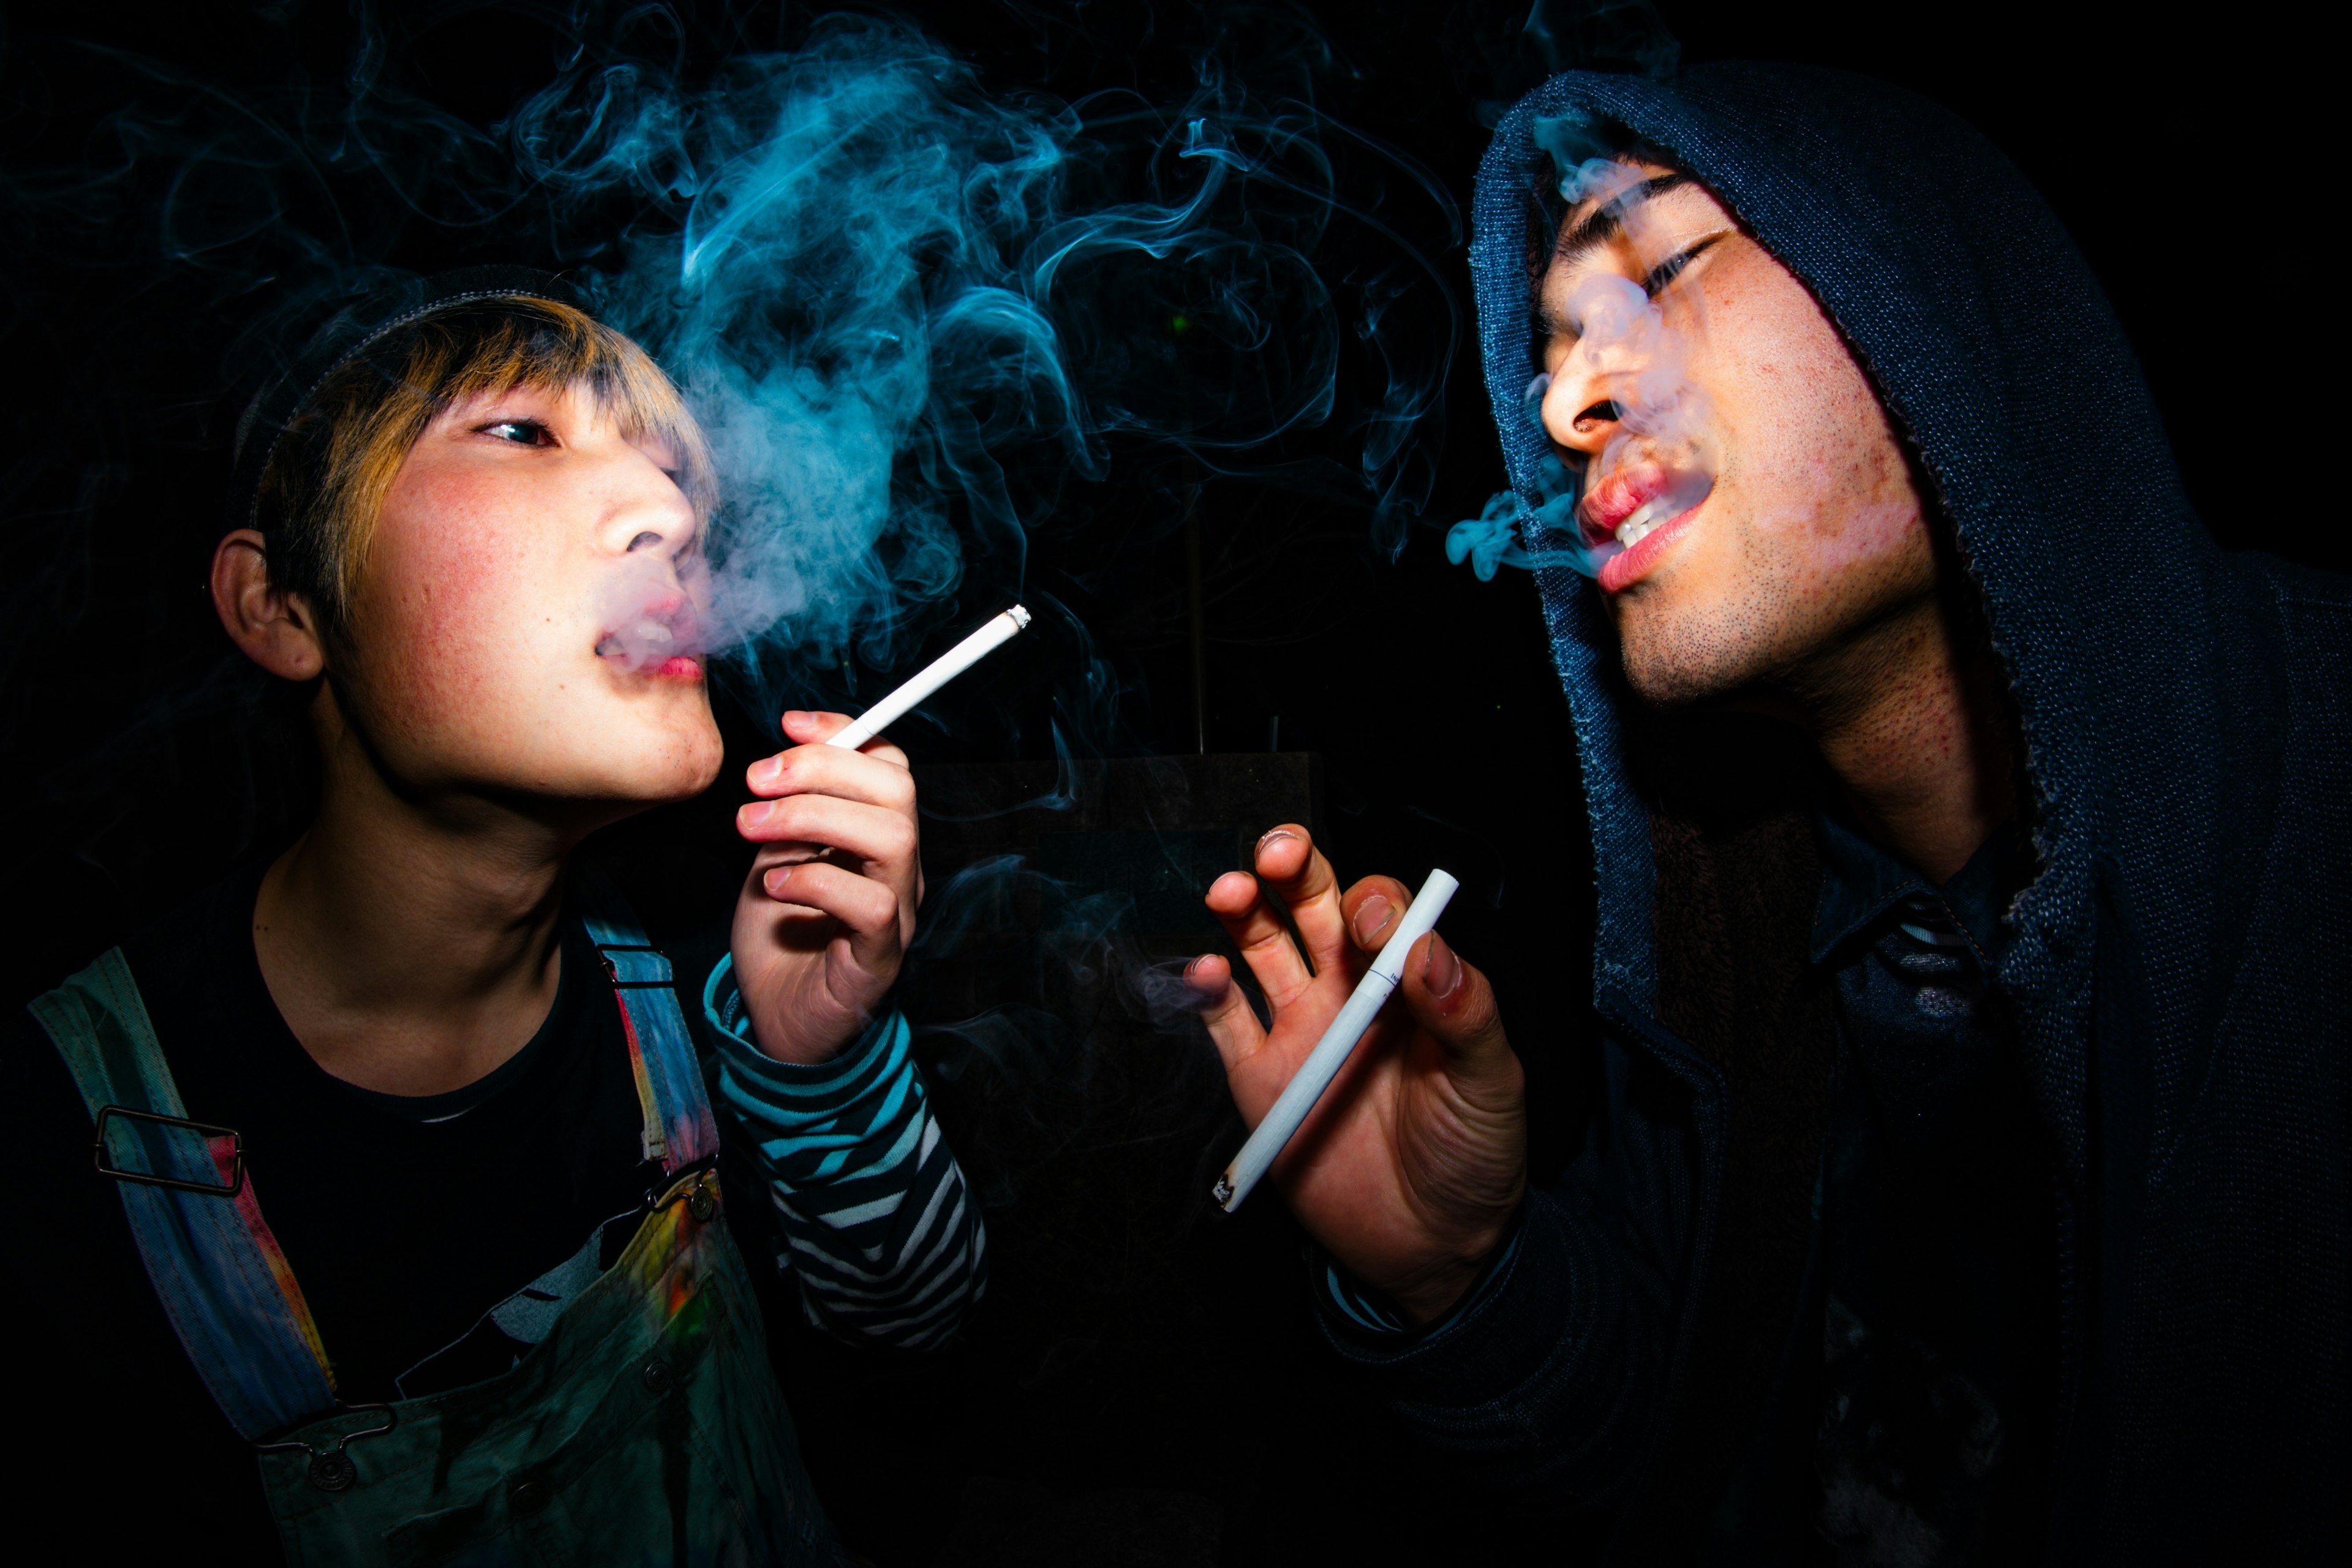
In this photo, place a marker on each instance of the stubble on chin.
(1679, 658)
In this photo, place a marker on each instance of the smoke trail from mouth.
(1624, 344)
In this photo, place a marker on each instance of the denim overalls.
(645, 1428)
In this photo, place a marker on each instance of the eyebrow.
(1600, 226)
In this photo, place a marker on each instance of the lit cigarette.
(1322, 1064)
(1000, 630)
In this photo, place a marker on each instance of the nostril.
(1602, 412)
(644, 539)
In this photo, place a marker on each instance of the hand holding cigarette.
(829, 910)
(824, 917)
(1412, 1163)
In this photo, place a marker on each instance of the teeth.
(1648, 516)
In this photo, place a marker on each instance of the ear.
(276, 629)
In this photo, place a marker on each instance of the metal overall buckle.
(107, 1167)
(698, 1185)
(331, 1469)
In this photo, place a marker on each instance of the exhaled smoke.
(907, 311)
(1654, 463)
(910, 310)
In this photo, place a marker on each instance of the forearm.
(876, 1219)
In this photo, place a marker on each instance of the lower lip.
(680, 667)
(1627, 567)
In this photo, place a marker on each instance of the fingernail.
(1274, 836)
(755, 813)
(1193, 968)
(1373, 917)
(774, 880)
(767, 770)
(794, 718)
(1442, 972)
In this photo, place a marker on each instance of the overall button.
(659, 1377)
(332, 1472)
(702, 1203)
(527, 1496)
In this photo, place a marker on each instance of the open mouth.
(658, 639)
(1648, 516)
(1633, 504)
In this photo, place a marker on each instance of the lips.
(656, 639)
(1631, 518)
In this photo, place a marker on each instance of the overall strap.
(678, 1129)
(221, 1275)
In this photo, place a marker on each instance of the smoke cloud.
(908, 312)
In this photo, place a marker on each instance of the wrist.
(728, 1011)
(1431, 1292)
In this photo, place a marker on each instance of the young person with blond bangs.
(406, 1238)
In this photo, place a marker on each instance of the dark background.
(1142, 1385)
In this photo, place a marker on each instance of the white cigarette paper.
(1000, 630)
(1322, 1064)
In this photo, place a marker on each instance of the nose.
(1579, 411)
(645, 509)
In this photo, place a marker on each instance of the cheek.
(453, 592)
(1822, 486)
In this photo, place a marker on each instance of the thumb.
(1454, 1004)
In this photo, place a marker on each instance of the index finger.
(804, 727)
(868, 776)
(1294, 870)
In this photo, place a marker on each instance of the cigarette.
(1322, 1064)
(1000, 630)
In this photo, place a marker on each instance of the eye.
(521, 432)
(1667, 271)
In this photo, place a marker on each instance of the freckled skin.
(1806, 583)
(470, 736)
(1814, 530)
(476, 615)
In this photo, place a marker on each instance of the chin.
(657, 768)
(1685, 665)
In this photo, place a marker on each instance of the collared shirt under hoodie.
(1938, 1253)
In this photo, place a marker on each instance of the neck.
(1907, 716)
(410, 938)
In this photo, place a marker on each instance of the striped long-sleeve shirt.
(877, 1227)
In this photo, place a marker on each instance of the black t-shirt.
(407, 1222)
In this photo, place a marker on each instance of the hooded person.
(1963, 1175)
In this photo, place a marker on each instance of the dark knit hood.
(2177, 969)
(1994, 349)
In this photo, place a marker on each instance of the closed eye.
(1667, 271)
(521, 432)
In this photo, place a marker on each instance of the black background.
(1143, 1385)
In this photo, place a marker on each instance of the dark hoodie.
(2176, 978)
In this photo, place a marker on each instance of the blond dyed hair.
(323, 490)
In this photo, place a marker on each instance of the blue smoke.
(923, 320)
(910, 312)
